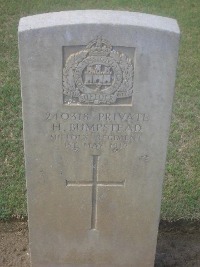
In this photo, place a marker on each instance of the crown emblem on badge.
(97, 75)
(99, 47)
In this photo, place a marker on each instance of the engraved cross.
(94, 184)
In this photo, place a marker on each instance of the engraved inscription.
(94, 184)
(97, 75)
(96, 131)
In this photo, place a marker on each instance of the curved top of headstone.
(98, 17)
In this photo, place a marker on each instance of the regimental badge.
(98, 75)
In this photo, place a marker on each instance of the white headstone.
(97, 89)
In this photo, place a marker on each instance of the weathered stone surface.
(97, 89)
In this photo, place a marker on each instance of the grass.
(181, 196)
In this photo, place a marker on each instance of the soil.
(178, 245)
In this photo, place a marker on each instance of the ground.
(178, 245)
